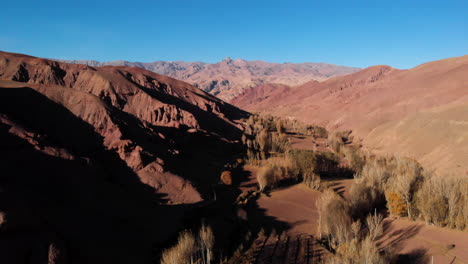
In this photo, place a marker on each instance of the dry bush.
(279, 143)
(191, 249)
(319, 132)
(279, 126)
(374, 226)
(276, 170)
(326, 163)
(352, 242)
(311, 180)
(305, 161)
(364, 199)
(282, 168)
(334, 218)
(361, 252)
(264, 141)
(226, 178)
(395, 176)
(443, 201)
(265, 178)
(356, 159)
(338, 139)
(362, 247)
(309, 161)
(182, 252)
(206, 240)
(396, 204)
(407, 177)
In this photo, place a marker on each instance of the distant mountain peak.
(227, 60)
(228, 78)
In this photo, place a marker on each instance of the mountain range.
(228, 78)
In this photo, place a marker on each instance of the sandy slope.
(419, 112)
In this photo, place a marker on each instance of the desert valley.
(234, 132)
(119, 164)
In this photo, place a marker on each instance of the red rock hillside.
(89, 156)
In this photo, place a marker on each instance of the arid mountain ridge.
(421, 112)
(228, 78)
(91, 156)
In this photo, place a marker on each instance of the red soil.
(90, 158)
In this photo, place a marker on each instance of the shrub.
(279, 142)
(320, 132)
(374, 226)
(364, 199)
(206, 240)
(334, 218)
(396, 204)
(355, 158)
(265, 178)
(399, 178)
(304, 161)
(191, 249)
(279, 126)
(182, 252)
(264, 141)
(353, 242)
(312, 181)
(338, 139)
(444, 201)
(326, 163)
(226, 178)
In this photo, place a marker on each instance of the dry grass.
(312, 181)
(182, 252)
(191, 248)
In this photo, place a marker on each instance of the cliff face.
(91, 155)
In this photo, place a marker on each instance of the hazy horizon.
(399, 34)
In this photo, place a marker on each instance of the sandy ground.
(426, 242)
(296, 205)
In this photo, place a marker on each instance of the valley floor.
(415, 241)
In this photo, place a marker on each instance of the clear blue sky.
(399, 33)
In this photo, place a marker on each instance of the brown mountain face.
(228, 78)
(421, 112)
(89, 156)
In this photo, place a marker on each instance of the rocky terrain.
(90, 157)
(228, 78)
(421, 112)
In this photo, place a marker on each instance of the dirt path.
(295, 206)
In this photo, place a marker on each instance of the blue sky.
(402, 34)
